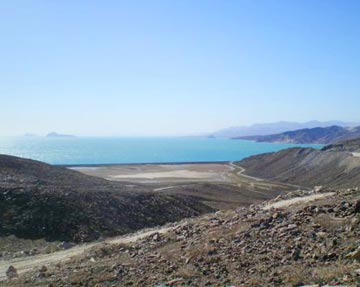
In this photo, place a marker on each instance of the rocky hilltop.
(311, 243)
(38, 200)
(320, 135)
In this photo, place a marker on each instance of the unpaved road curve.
(27, 263)
(241, 173)
(242, 170)
(288, 202)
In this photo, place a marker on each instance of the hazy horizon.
(205, 134)
(175, 68)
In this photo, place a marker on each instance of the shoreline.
(145, 163)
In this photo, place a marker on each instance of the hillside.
(349, 145)
(38, 200)
(308, 167)
(318, 135)
(312, 242)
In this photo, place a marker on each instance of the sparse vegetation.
(293, 246)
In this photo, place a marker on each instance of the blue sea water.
(110, 150)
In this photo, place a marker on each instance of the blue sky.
(175, 67)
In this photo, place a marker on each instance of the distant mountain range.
(275, 128)
(319, 135)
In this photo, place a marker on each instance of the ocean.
(116, 150)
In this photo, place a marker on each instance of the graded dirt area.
(155, 173)
(218, 185)
(178, 173)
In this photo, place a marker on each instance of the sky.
(175, 67)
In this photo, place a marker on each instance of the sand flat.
(160, 172)
(189, 174)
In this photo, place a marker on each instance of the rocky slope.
(318, 135)
(38, 200)
(349, 145)
(310, 243)
(307, 167)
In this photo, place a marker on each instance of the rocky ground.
(13, 247)
(314, 242)
(41, 201)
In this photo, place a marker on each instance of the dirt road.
(240, 173)
(288, 202)
(27, 263)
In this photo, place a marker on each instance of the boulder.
(355, 254)
(11, 272)
(66, 245)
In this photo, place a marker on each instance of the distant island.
(57, 135)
